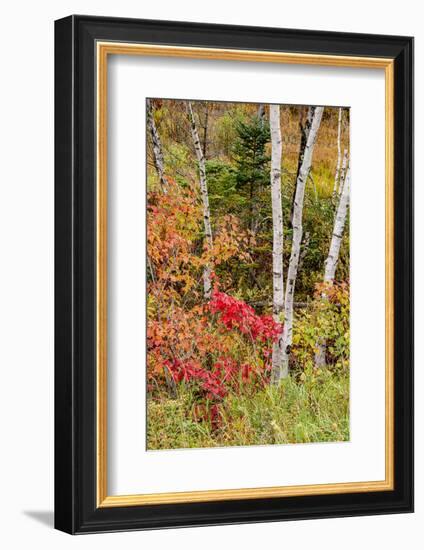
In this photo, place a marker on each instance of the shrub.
(326, 320)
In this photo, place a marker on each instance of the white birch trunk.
(157, 147)
(261, 113)
(343, 172)
(297, 233)
(339, 154)
(333, 255)
(207, 272)
(305, 126)
(278, 238)
(339, 224)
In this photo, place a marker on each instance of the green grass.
(313, 410)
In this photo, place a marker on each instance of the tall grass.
(314, 409)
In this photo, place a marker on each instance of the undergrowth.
(312, 408)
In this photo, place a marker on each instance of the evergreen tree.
(250, 156)
(251, 161)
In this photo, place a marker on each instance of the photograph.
(247, 273)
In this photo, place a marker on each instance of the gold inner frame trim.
(103, 50)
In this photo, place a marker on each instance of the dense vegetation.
(214, 328)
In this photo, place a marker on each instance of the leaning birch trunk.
(261, 113)
(207, 272)
(297, 233)
(304, 133)
(343, 172)
(339, 155)
(336, 239)
(277, 243)
(157, 147)
(333, 255)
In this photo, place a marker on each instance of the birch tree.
(277, 243)
(339, 154)
(157, 146)
(333, 254)
(305, 126)
(207, 272)
(297, 235)
(337, 236)
(261, 112)
(204, 127)
(342, 173)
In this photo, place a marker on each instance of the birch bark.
(305, 126)
(297, 234)
(339, 154)
(278, 239)
(333, 255)
(157, 147)
(261, 112)
(343, 172)
(205, 129)
(207, 272)
(336, 238)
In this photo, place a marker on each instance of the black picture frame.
(76, 510)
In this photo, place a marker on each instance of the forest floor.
(314, 409)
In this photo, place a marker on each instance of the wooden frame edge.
(101, 268)
(243, 494)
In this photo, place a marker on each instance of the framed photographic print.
(234, 274)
